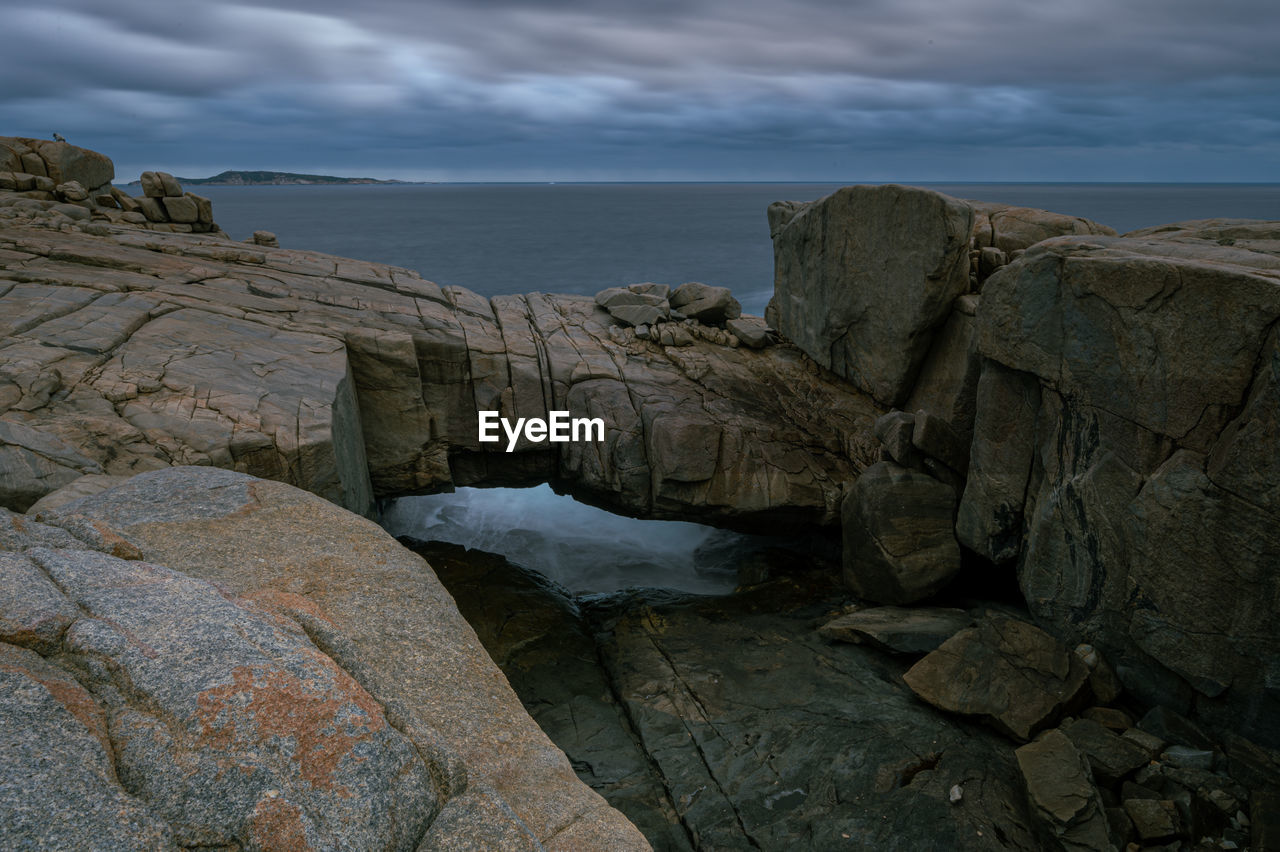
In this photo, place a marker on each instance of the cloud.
(542, 84)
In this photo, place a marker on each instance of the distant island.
(240, 178)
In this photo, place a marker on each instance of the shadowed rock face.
(265, 671)
(136, 350)
(728, 723)
(1125, 453)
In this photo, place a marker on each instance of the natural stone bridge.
(133, 350)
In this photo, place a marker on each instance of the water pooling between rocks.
(584, 549)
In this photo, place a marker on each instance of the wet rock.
(899, 544)
(863, 276)
(1063, 796)
(916, 630)
(1012, 674)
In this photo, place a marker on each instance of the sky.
(811, 90)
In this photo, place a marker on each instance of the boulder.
(152, 186)
(863, 277)
(915, 630)
(1010, 673)
(1111, 755)
(265, 238)
(1153, 819)
(706, 304)
(1000, 229)
(71, 191)
(899, 543)
(1062, 795)
(152, 208)
(62, 162)
(312, 702)
(181, 209)
(649, 288)
(1149, 410)
(752, 332)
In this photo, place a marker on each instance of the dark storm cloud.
(579, 87)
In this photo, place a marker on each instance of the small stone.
(642, 332)
(1151, 744)
(1109, 717)
(651, 289)
(956, 794)
(894, 431)
(753, 332)
(70, 191)
(1154, 819)
(935, 437)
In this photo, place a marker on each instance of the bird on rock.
(58, 137)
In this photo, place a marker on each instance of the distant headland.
(262, 178)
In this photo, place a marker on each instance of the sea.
(582, 237)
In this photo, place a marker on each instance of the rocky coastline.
(207, 643)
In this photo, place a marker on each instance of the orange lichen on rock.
(326, 716)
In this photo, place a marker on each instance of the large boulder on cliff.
(235, 662)
(59, 161)
(863, 276)
(1132, 399)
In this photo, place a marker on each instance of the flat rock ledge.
(197, 657)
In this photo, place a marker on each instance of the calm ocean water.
(581, 238)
